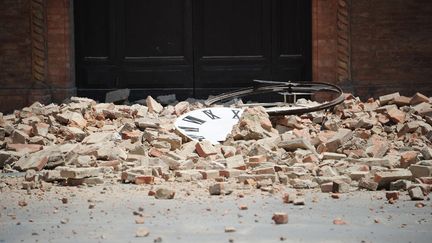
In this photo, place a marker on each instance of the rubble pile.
(373, 145)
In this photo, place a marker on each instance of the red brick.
(144, 179)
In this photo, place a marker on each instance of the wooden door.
(142, 45)
(189, 47)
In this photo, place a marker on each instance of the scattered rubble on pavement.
(373, 145)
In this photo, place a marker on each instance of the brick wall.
(391, 46)
(60, 53)
(15, 53)
(324, 46)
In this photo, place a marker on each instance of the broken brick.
(419, 98)
(205, 149)
(383, 178)
(397, 115)
(393, 195)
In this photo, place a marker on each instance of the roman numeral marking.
(193, 120)
(236, 114)
(210, 114)
(190, 129)
(199, 138)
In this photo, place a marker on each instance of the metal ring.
(289, 88)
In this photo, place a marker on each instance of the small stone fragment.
(243, 207)
(153, 105)
(416, 193)
(299, 201)
(219, 188)
(339, 221)
(139, 220)
(340, 186)
(419, 205)
(142, 232)
(393, 195)
(164, 193)
(280, 218)
(230, 229)
(22, 203)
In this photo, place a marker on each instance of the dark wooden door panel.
(232, 43)
(291, 40)
(95, 46)
(134, 43)
(154, 28)
(156, 44)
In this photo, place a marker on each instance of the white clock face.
(212, 124)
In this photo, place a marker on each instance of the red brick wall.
(17, 86)
(324, 48)
(60, 60)
(15, 53)
(391, 44)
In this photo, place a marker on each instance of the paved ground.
(194, 216)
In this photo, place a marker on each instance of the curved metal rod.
(284, 86)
